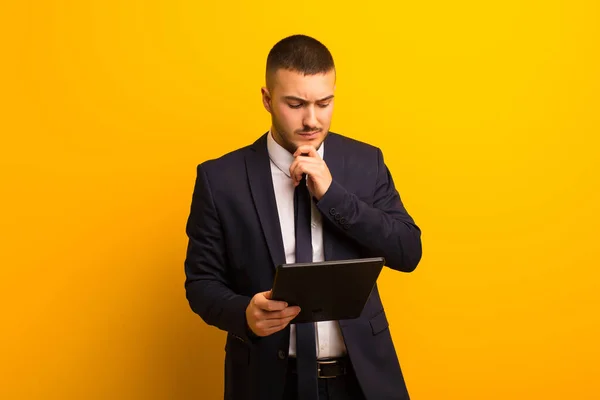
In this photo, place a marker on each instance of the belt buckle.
(325, 362)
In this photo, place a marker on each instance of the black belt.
(330, 368)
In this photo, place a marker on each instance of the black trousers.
(345, 387)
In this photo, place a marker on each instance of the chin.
(316, 142)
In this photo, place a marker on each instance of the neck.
(279, 140)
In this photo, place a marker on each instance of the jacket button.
(347, 226)
(281, 354)
(332, 211)
(343, 221)
(338, 217)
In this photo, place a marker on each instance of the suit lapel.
(334, 158)
(258, 168)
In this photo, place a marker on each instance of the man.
(244, 221)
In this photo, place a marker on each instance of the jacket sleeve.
(384, 229)
(207, 287)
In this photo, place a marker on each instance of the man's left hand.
(307, 161)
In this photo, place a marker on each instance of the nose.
(310, 118)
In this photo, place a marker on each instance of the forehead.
(310, 87)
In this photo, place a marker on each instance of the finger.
(257, 311)
(301, 160)
(308, 150)
(310, 166)
(270, 305)
(312, 171)
(296, 172)
(273, 305)
(279, 326)
(275, 315)
(262, 300)
(272, 327)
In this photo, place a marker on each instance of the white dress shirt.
(330, 342)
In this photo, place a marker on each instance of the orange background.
(488, 114)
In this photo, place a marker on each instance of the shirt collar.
(282, 158)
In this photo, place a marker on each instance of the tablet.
(327, 290)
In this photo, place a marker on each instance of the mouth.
(309, 135)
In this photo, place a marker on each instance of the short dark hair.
(299, 53)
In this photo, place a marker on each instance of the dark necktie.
(306, 352)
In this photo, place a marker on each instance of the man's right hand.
(266, 316)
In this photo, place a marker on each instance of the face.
(301, 107)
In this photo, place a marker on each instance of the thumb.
(268, 294)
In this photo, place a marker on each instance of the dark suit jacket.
(235, 244)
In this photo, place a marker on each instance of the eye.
(295, 105)
(324, 105)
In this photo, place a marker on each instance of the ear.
(266, 98)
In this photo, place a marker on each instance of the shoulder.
(349, 144)
(229, 163)
(352, 148)
(230, 160)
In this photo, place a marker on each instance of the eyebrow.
(306, 101)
